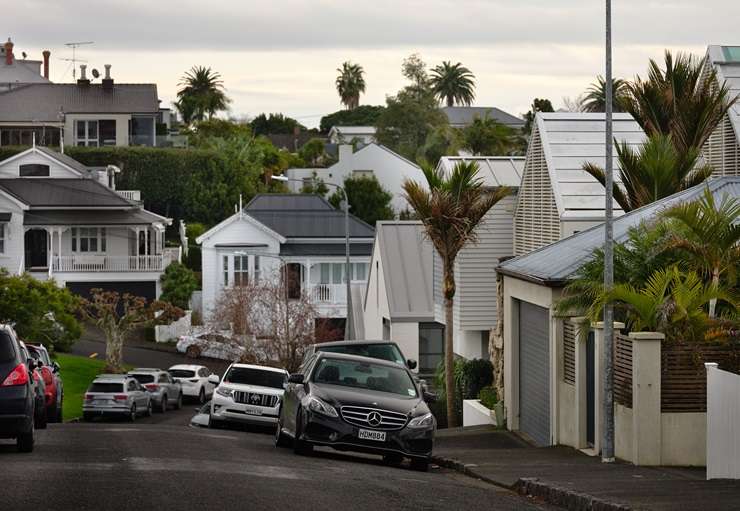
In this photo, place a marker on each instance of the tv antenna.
(74, 58)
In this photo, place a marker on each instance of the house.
(80, 114)
(557, 197)
(389, 168)
(16, 71)
(462, 116)
(302, 231)
(722, 150)
(549, 395)
(64, 221)
(350, 134)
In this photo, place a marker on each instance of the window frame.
(100, 238)
(86, 140)
(3, 237)
(241, 270)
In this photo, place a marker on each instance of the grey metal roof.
(42, 102)
(21, 71)
(299, 223)
(99, 217)
(554, 264)
(464, 115)
(325, 249)
(495, 171)
(406, 256)
(288, 201)
(570, 139)
(726, 60)
(57, 193)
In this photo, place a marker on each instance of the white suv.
(248, 393)
(194, 381)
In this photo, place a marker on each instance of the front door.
(36, 245)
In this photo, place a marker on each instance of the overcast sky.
(282, 55)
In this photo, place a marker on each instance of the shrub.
(178, 284)
(488, 397)
(476, 375)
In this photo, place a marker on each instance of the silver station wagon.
(116, 394)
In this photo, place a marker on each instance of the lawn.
(77, 373)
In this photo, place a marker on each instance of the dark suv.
(16, 391)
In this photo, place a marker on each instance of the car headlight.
(317, 405)
(221, 391)
(422, 421)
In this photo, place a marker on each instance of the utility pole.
(607, 447)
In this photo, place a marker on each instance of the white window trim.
(101, 237)
(3, 237)
(88, 142)
(242, 271)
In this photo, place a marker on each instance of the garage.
(534, 373)
(147, 289)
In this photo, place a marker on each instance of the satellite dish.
(95, 73)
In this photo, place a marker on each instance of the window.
(89, 239)
(2, 238)
(34, 170)
(107, 130)
(226, 270)
(141, 131)
(359, 271)
(256, 268)
(431, 347)
(241, 270)
(86, 133)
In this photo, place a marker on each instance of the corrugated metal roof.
(21, 71)
(288, 201)
(407, 268)
(311, 223)
(464, 115)
(569, 140)
(54, 192)
(493, 170)
(42, 102)
(727, 63)
(325, 249)
(555, 263)
(101, 217)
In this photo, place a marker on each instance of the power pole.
(607, 448)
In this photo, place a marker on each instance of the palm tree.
(655, 171)
(453, 83)
(201, 94)
(680, 100)
(486, 136)
(350, 84)
(595, 98)
(450, 208)
(710, 234)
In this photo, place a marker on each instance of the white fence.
(164, 333)
(723, 423)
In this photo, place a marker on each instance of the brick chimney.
(46, 54)
(107, 80)
(8, 52)
(83, 81)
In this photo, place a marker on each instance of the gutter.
(548, 282)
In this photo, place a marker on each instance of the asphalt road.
(162, 463)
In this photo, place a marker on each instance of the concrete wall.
(722, 423)
(406, 335)
(567, 433)
(623, 432)
(475, 414)
(684, 439)
(165, 333)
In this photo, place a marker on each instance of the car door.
(293, 395)
(140, 395)
(165, 381)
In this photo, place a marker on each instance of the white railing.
(98, 263)
(328, 293)
(132, 195)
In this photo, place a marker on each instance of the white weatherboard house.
(349, 134)
(722, 150)
(547, 367)
(389, 168)
(557, 197)
(303, 231)
(60, 219)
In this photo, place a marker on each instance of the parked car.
(39, 387)
(54, 391)
(210, 345)
(383, 350)
(116, 394)
(357, 404)
(164, 390)
(17, 392)
(248, 393)
(194, 381)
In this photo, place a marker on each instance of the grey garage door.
(146, 289)
(534, 373)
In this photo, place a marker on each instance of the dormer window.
(34, 170)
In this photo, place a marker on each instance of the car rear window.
(182, 373)
(388, 352)
(7, 352)
(98, 386)
(259, 377)
(144, 378)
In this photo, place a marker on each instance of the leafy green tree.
(368, 200)
(317, 186)
(363, 115)
(486, 136)
(313, 152)
(178, 284)
(451, 207)
(201, 131)
(350, 84)
(415, 70)
(595, 98)
(453, 83)
(201, 95)
(441, 141)
(538, 105)
(275, 124)
(40, 310)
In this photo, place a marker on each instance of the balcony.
(106, 263)
(331, 294)
(132, 195)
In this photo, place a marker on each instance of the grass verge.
(77, 373)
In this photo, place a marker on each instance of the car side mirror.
(296, 378)
(31, 363)
(214, 379)
(411, 363)
(429, 397)
(55, 367)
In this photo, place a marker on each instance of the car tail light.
(120, 397)
(88, 397)
(18, 376)
(151, 386)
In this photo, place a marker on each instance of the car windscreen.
(388, 352)
(364, 375)
(143, 378)
(7, 352)
(182, 373)
(107, 387)
(259, 377)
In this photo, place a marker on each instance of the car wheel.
(202, 396)
(149, 409)
(178, 403)
(163, 404)
(420, 465)
(59, 416)
(281, 440)
(41, 419)
(300, 447)
(87, 417)
(193, 351)
(132, 413)
(25, 441)
(215, 423)
(392, 459)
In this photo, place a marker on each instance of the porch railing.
(132, 195)
(329, 293)
(102, 263)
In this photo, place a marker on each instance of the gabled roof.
(406, 256)
(288, 201)
(554, 264)
(493, 170)
(307, 223)
(568, 141)
(63, 193)
(60, 158)
(464, 115)
(42, 102)
(726, 60)
(21, 71)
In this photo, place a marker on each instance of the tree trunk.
(113, 350)
(450, 101)
(713, 301)
(496, 344)
(449, 295)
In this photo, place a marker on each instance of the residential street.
(161, 463)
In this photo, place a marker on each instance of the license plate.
(250, 410)
(366, 434)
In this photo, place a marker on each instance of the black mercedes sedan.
(354, 403)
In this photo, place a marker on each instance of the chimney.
(8, 52)
(83, 81)
(46, 54)
(107, 80)
(345, 150)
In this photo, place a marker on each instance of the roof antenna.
(34, 140)
(240, 205)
